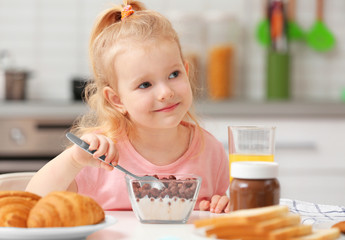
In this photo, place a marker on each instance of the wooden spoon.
(263, 27)
(295, 32)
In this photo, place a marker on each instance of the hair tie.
(126, 12)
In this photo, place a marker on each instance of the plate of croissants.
(58, 215)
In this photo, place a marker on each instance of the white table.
(129, 227)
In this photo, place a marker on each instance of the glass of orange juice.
(251, 143)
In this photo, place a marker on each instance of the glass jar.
(254, 184)
(191, 31)
(221, 41)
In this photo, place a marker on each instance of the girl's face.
(153, 85)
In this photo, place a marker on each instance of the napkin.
(313, 213)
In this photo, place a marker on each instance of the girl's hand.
(103, 146)
(218, 204)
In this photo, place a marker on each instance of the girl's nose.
(165, 92)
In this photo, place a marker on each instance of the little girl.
(140, 117)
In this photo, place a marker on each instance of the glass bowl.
(172, 204)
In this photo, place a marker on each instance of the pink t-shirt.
(205, 157)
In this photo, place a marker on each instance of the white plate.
(74, 233)
(325, 225)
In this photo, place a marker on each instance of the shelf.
(41, 109)
(270, 109)
(286, 109)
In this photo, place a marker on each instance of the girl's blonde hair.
(109, 35)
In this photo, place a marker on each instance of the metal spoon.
(154, 182)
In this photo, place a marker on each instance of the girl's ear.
(114, 100)
(186, 66)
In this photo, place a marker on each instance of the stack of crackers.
(265, 223)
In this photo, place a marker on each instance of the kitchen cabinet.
(310, 152)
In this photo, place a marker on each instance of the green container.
(278, 75)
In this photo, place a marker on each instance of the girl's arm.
(59, 173)
(219, 202)
(56, 175)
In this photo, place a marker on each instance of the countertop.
(229, 108)
(42, 109)
(263, 109)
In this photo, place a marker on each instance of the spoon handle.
(125, 171)
(319, 10)
(85, 146)
(102, 158)
(291, 10)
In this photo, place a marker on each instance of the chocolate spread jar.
(254, 184)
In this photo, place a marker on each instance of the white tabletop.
(129, 227)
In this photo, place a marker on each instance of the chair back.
(15, 181)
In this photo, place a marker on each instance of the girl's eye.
(145, 85)
(174, 74)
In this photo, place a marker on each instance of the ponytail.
(107, 18)
(111, 16)
(136, 5)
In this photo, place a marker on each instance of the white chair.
(15, 181)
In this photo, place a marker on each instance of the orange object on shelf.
(220, 72)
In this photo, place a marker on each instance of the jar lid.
(254, 170)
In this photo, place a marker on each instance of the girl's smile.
(168, 108)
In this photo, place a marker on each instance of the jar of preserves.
(221, 37)
(254, 184)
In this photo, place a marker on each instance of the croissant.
(15, 207)
(65, 209)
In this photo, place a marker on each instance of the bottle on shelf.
(221, 55)
(191, 30)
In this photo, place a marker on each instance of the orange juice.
(242, 158)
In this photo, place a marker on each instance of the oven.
(28, 143)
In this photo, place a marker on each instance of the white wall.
(50, 38)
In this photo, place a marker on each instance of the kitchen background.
(49, 38)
